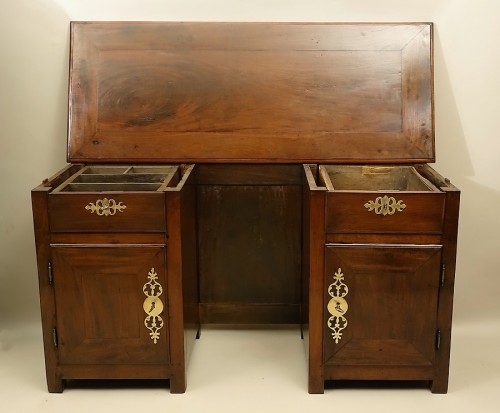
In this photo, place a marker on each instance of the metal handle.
(105, 207)
(384, 205)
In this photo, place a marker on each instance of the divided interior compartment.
(374, 178)
(108, 178)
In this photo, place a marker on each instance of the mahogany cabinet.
(117, 272)
(248, 173)
(381, 245)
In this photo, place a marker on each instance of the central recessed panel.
(249, 245)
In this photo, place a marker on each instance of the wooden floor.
(250, 369)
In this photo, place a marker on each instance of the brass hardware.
(105, 207)
(50, 275)
(438, 339)
(376, 170)
(443, 272)
(153, 306)
(384, 205)
(54, 338)
(337, 306)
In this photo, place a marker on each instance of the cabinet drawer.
(381, 199)
(114, 198)
(400, 212)
(104, 212)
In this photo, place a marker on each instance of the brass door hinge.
(55, 340)
(50, 275)
(443, 272)
(438, 339)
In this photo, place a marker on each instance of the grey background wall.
(34, 40)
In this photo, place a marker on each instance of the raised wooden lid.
(250, 92)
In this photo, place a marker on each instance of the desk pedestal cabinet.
(381, 262)
(248, 173)
(117, 272)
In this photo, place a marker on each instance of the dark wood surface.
(143, 212)
(314, 264)
(182, 274)
(393, 298)
(100, 292)
(249, 236)
(346, 213)
(39, 202)
(250, 92)
(445, 313)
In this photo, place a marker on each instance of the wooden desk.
(248, 173)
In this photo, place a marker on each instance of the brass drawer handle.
(105, 207)
(384, 205)
(153, 306)
(337, 306)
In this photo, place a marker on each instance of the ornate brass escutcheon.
(153, 306)
(385, 205)
(105, 207)
(337, 306)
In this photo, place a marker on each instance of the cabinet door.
(111, 305)
(381, 304)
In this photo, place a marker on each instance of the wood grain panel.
(249, 249)
(249, 243)
(346, 213)
(392, 298)
(143, 212)
(99, 292)
(241, 92)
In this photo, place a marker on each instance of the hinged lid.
(250, 92)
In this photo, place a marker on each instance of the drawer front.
(105, 212)
(375, 212)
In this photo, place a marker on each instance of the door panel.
(382, 304)
(101, 295)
